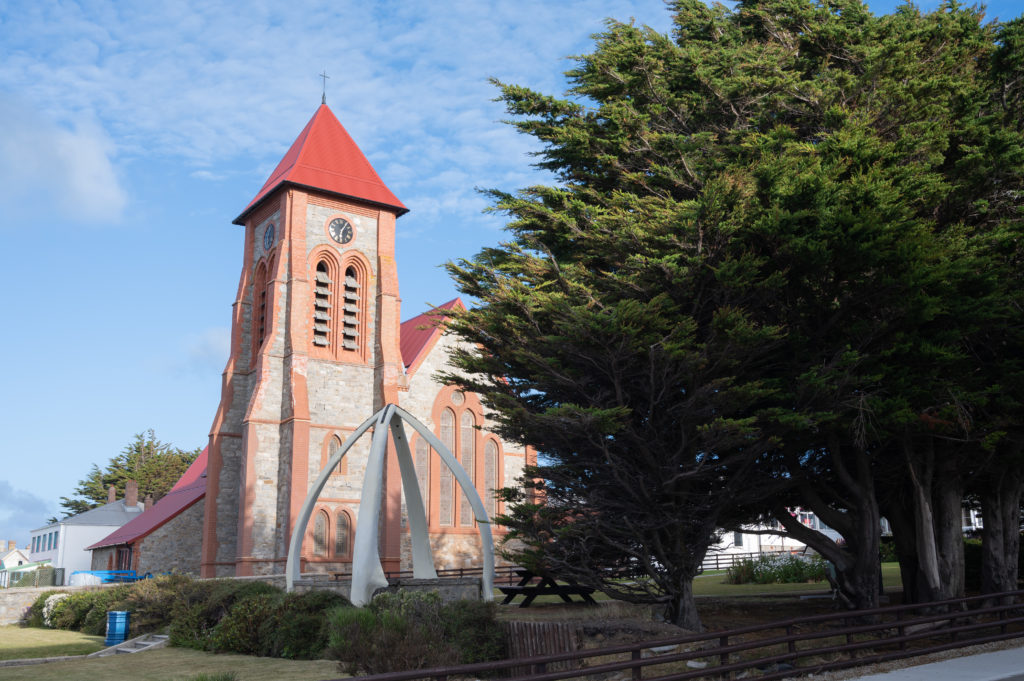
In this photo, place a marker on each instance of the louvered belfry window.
(350, 327)
(322, 306)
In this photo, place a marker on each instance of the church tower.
(314, 352)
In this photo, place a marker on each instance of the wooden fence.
(777, 650)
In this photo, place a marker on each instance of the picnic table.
(547, 585)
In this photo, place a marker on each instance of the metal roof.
(417, 335)
(325, 157)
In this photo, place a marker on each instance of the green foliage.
(410, 630)
(154, 465)
(779, 569)
(781, 264)
(887, 550)
(34, 617)
(202, 604)
(301, 629)
(248, 625)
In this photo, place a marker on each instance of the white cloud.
(43, 164)
(207, 350)
(22, 512)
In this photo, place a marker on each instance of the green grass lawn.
(711, 584)
(23, 642)
(173, 664)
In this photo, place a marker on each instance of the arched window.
(320, 534)
(350, 327)
(332, 448)
(342, 535)
(446, 503)
(322, 294)
(423, 471)
(467, 456)
(490, 478)
(260, 313)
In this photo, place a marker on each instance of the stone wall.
(15, 602)
(174, 546)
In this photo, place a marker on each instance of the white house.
(64, 543)
(12, 556)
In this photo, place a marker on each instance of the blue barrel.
(117, 627)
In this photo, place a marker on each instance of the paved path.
(1002, 665)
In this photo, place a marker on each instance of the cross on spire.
(323, 98)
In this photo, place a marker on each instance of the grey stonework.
(174, 546)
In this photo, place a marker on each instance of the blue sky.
(132, 133)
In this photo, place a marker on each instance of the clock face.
(268, 237)
(340, 230)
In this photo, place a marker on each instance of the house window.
(490, 478)
(320, 534)
(446, 501)
(322, 295)
(56, 538)
(737, 539)
(423, 472)
(350, 325)
(467, 455)
(343, 532)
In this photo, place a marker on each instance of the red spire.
(324, 157)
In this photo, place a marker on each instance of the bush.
(200, 605)
(413, 630)
(887, 550)
(472, 627)
(248, 626)
(34, 616)
(69, 612)
(777, 569)
(301, 631)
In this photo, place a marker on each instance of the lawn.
(174, 664)
(23, 642)
(711, 584)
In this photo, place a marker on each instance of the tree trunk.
(901, 519)
(947, 516)
(1000, 534)
(682, 608)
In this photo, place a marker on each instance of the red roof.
(324, 157)
(190, 488)
(418, 334)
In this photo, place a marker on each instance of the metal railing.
(780, 649)
(503, 574)
(723, 561)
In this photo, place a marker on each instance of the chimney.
(131, 494)
(148, 504)
(111, 494)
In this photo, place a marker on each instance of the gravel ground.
(857, 672)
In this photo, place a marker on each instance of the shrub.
(777, 569)
(69, 612)
(413, 630)
(248, 626)
(301, 631)
(34, 616)
(200, 605)
(887, 550)
(472, 626)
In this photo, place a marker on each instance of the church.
(317, 346)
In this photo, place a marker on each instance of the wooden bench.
(546, 586)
